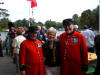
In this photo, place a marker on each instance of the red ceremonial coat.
(73, 53)
(31, 56)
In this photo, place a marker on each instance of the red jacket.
(73, 53)
(31, 56)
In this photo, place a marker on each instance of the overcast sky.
(56, 10)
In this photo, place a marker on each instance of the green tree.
(40, 24)
(96, 12)
(25, 23)
(4, 24)
(85, 17)
(3, 19)
(50, 23)
(3, 13)
(75, 18)
(59, 25)
(88, 18)
(18, 23)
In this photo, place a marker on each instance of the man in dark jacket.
(97, 48)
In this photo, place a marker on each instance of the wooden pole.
(29, 14)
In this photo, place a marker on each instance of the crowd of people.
(1, 52)
(37, 51)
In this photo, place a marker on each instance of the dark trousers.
(91, 49)
(1, 52)
(97, 70)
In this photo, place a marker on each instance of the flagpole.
(29, 14)
(33, 4)
(32, 12)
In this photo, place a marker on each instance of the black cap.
(33, 29)
(68, 22)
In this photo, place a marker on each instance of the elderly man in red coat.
(73, 51)
(30, 56)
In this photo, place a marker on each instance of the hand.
(43, 42)
(22, 73)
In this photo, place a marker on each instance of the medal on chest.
(74, 39)
(38, 46)
(69, 41)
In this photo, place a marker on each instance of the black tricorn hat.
(68, 22)
(33, 29)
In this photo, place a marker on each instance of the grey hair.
(51, 29)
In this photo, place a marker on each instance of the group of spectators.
(37, 52)
(16, 36)
(1, 52)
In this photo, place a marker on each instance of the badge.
(74, 40)
(39, 45)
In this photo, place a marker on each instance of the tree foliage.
(54, 24)
(22, 23)
(96, 12)
(75, 18)
(3, 19)
(88, 17)
(3, 13)
(4, 24)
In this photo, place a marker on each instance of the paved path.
(6, 65)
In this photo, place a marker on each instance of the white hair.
(76, 26)
(51, 29)
(39, 27)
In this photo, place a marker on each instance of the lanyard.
(36, 45)
(66, 43)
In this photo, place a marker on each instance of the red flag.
(29, 0)
(33, 3)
